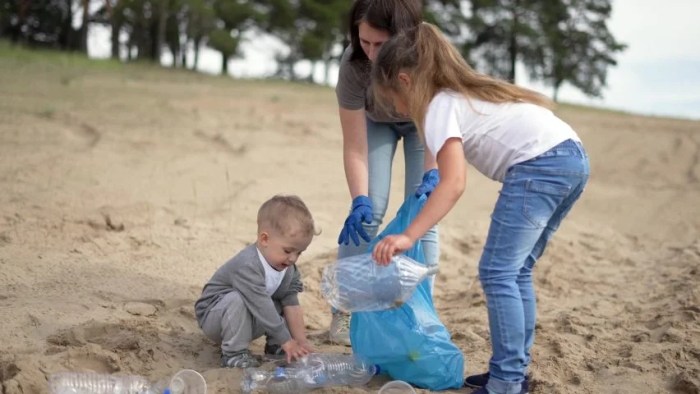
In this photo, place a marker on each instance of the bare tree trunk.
(555, 94)
(116, 27)
(160, 38)
(84, 27)
(224, 64)
(513, 44)
(183, 55)
(197, 42)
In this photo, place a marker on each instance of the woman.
(371, 135)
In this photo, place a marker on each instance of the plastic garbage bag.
(410, 343)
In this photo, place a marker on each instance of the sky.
(658, 73)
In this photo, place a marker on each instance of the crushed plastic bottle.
(186, 381)
(358, 284)
(308, 373)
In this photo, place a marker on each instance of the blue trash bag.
(409, 343)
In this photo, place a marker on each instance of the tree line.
(557, 41)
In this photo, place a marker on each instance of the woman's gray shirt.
(354, 92)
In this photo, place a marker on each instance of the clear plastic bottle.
(94, 383)
(340, 369)
(358, 284)
(186, 381)
(311, 372)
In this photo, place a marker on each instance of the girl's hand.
(390, 246)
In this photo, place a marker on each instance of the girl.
(371, 135)
(507, 133)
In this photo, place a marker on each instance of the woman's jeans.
(382, 139)
(535, 197)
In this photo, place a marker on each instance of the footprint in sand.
(141, 308)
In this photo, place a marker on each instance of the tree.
(282, 19)
(449, 15)
(577, 46)
(323, 20)
(234, 17)
(41, 23)
(557, 40)
(201, 20)
(502, 31)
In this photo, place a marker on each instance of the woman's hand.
(390, 246)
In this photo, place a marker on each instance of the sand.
(124, 188)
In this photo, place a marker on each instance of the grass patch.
(13, 55)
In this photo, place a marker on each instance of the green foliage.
(222, 41)
(40, 23)
(449, 15)
(557, 40)
(502, 31)
(16, 57)
(577, 46)
(235, 14)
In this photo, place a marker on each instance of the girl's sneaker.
(479, 381)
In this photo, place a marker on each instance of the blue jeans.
(382, 140)
(535, 197)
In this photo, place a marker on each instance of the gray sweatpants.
(231, 324)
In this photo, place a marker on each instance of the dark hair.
(393, 16)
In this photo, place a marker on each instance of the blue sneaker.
(479, 381)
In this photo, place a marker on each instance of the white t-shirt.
(273, 278)
(494, 136)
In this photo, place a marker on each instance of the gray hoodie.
(245, 274)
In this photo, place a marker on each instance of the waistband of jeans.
(568, 145)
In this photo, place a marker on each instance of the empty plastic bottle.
(358, 284)
(311, 372)
(94, 383)
(186, 381)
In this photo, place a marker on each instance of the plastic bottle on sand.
(308, 373)
(186, 381)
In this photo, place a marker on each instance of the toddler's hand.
(294, 350)
(304, 343)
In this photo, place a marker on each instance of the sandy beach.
(125, 187)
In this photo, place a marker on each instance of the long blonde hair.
(432, 64)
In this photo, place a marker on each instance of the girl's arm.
(428, 161)
(453, 174)
(354, 125)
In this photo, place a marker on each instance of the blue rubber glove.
(430, 179)
(361, 213)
